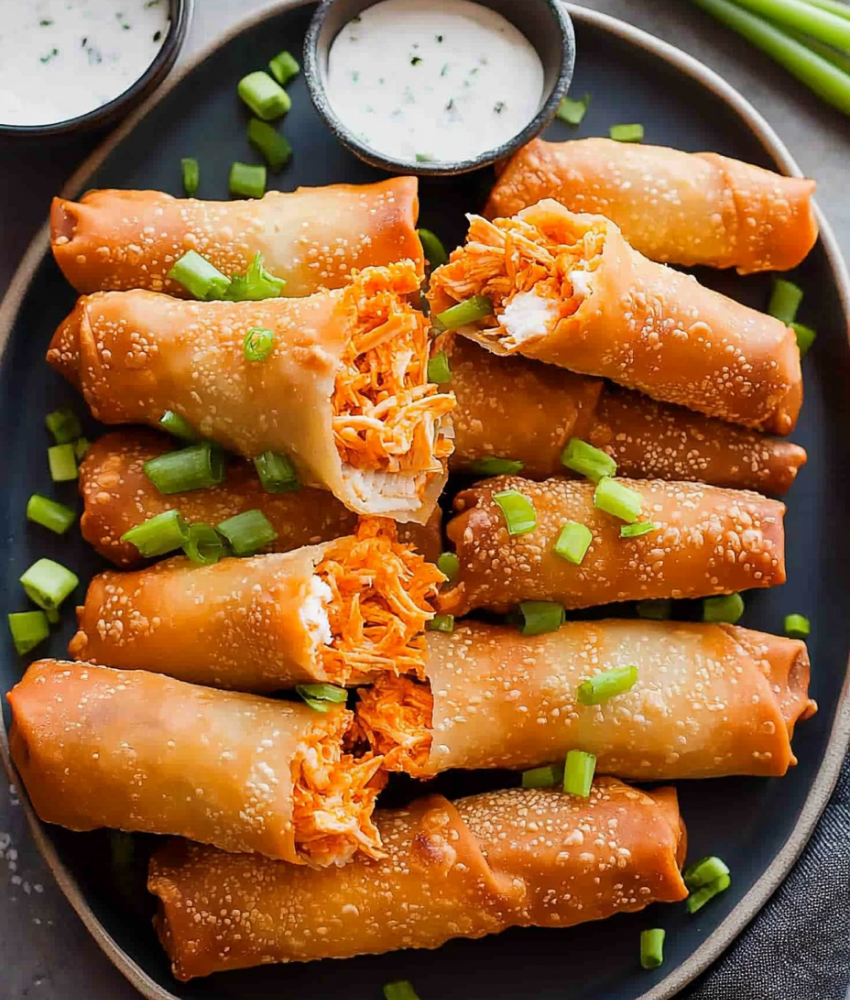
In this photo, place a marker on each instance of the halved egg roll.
(459, 869)
(709, 701)
(117, 496)
(513, 407)
(338, 612)
(343, 393)
(681, 208)
(312, 237)
(569, 290)
(707, 541)
(138, 751)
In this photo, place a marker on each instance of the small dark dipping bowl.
(179, 13)
(545, 23)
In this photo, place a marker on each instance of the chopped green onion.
(626, 133)
(62, 460)
(199, 277)
(176, 425)
(785, 300)
(697, 900)
(64, 425)
(638, 529)
(583, 458)
(725, 608)
(283, 67)
(203, 544)
(806, 336)
(247, 180)
(797, 626)
(320, 697)
(464, 313)
(449, 565)
(264, 96)
(81, 447)
(540, 617)
(28, 629)
(258, 343)
(520, 516)
(652, 948)
(432, 247)
(658, 609)
(255, 284)
(48, 583)
(275, 148)
(276, 472)
(573, 542)
(191, 175)
(601, 687)
(704, 872)
(438, 368)
(572, 111)
(543, 777)
(401, 990)
(247, 532)
(53, 616)
(578, 773)
(492, 466)
(160, 534)
(194, 468)
(50, 514)
(442, 623)
(618, 500)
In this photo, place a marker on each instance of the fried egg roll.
(312, 237)
(138, 751)
(707, 541)
(676, 207)
(709, 701)
(568, 290)
(343, 393)
(459, 869)
(118, 496)
(513, 407)
(336, 612)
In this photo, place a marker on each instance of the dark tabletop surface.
(45, 952)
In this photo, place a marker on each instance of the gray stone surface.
(45, 951)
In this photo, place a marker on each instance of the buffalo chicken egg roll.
(141, 752)
(459, 869)
(343, 393)
(568, 290)
(524, 410)
(709, 701)
(676, 207)
(706, 541)
(118, 495)
(336, 612)
(312, 237)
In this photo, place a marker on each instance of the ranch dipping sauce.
(433, 80)
(60, 59)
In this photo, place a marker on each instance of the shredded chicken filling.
(394, 718)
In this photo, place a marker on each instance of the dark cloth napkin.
(798, 947)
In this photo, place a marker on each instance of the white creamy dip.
(63, 58)
(437, 80)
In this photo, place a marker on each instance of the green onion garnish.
(194, 468)
(176, 425)
(62, 460)
(50, 514)
(264, 96)
(203, 544)
(785, 300)
(583, 458)
(247, 532)
(255, 284)
(160, 534)
(578, 773)
(704, 872)
(572, 111)
(275, 149)
(652, 948)
(283, 67)
(490, 465)
(64, 425)
(438, 368)
(191, 175)
(432, 247)
(805, 337)
(449, 565)
(81, 447)
(637, 529)
(28, 629)
(401, 990)
(725, 608)
(520, 516)
(618, 500)
(797, 626)
(276, 472)
(321, 696)
(540, 617)
(543, 777)
(52, 615)
(442, 623)
(697, 900)
(247, 180)
(199, 277)
(658, 609)
(626, 133)
(258, 343)
(48, 583)
(601, 687)
(573, 542)
(464, 313)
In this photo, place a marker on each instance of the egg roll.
(674, 207)
(344, 392)
(710, 700)
(569, 290)
(138, 751)
(312, 237)
(706, 541)
(118, 496)
(336, 612)
(513, 407)
(463, 869)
